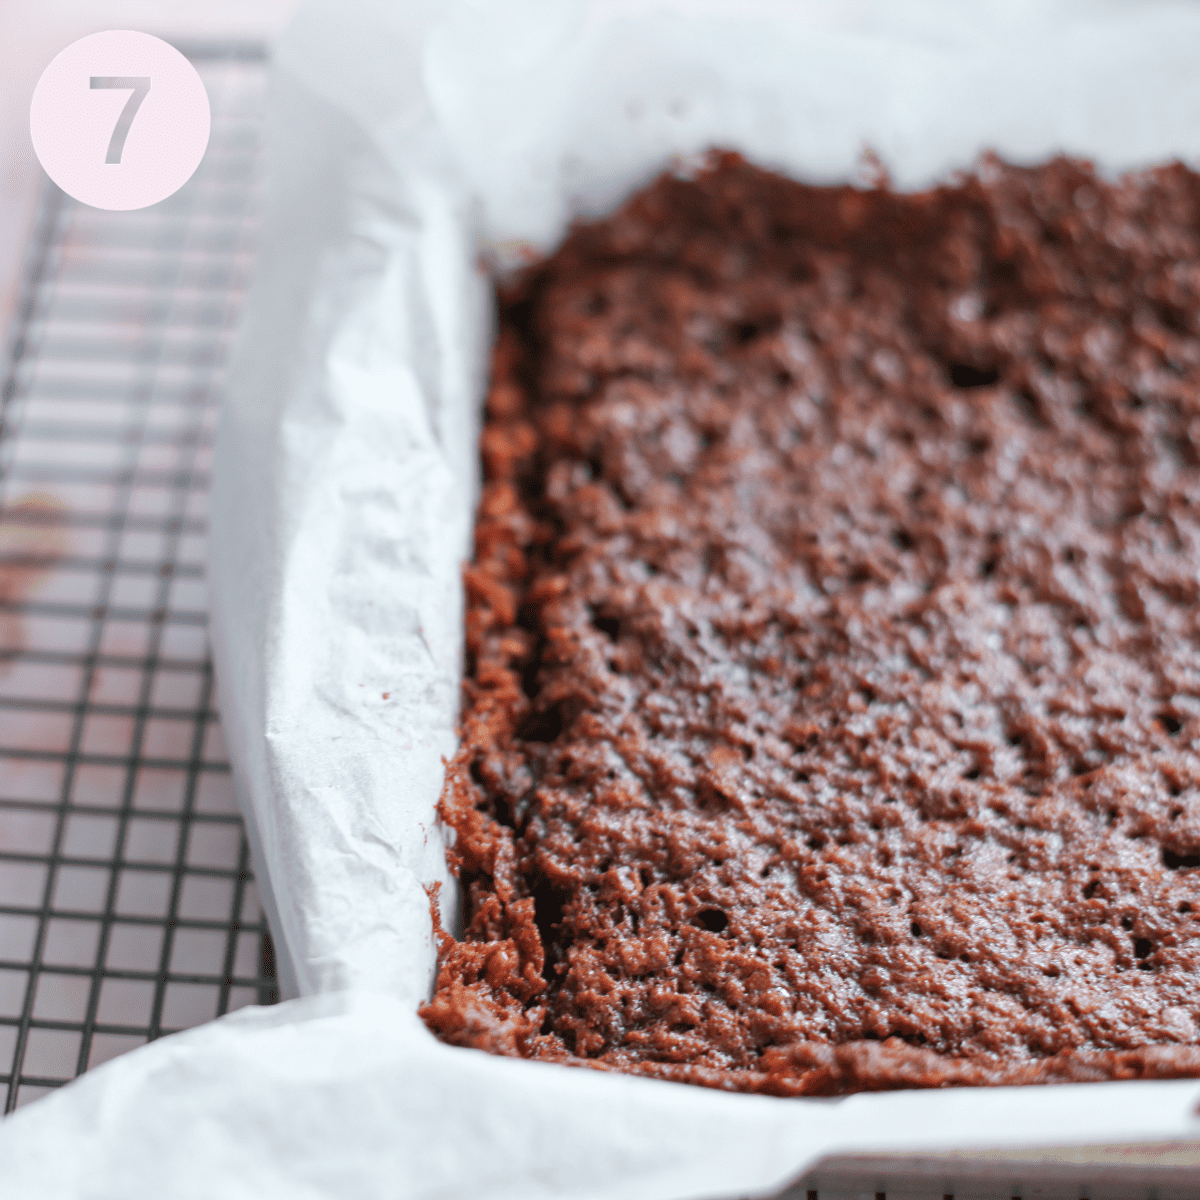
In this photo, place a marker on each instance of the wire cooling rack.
(128, 908)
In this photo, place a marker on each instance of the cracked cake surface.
(832, 644)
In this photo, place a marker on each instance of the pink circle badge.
(120, 120)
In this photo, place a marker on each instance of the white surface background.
(345, 433)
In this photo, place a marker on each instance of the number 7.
(140, 85)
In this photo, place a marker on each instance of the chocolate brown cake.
(833, 639)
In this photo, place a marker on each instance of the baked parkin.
(832, 646)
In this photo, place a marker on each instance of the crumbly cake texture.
(833, 655)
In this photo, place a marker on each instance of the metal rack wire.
(128, 908)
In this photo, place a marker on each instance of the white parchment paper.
(409, 142)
